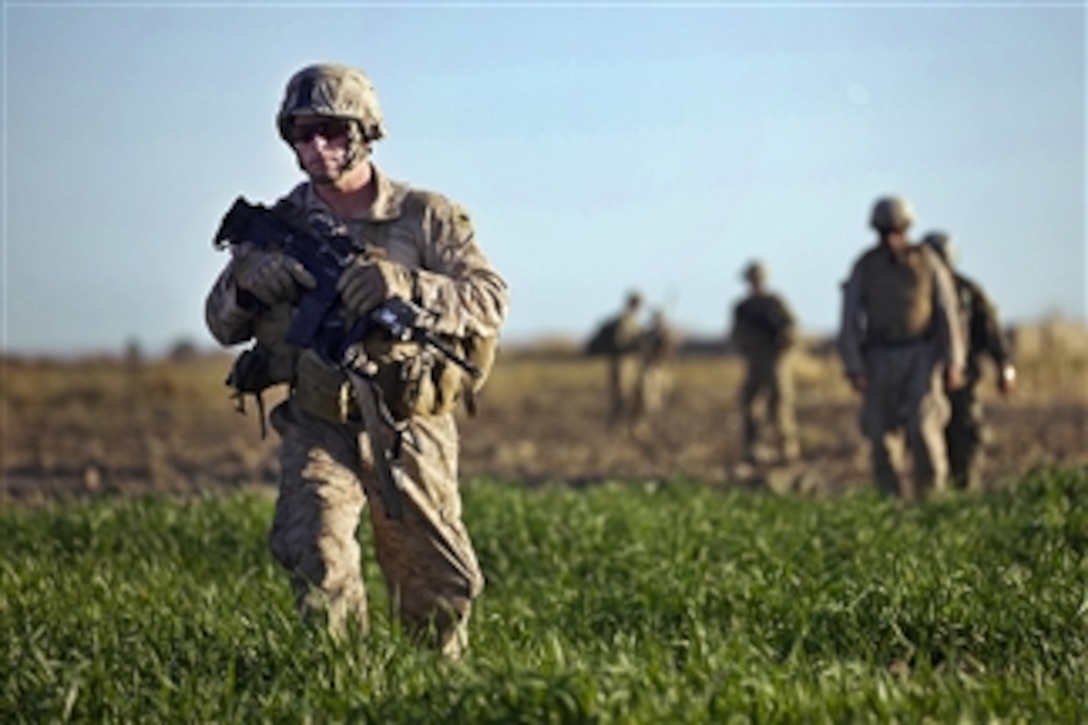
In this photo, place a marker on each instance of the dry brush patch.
(87, 427)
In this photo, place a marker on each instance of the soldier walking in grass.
(902, 346)
(764, 331)
(966, 431)
(619, 339)
(409, 245)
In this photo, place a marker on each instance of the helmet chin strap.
(357, 149)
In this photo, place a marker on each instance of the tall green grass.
(621, 603)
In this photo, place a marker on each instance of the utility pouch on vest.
(323, 391)
(251, 374)
(419, 379)
(269, 362)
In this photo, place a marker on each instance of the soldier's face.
(896, 240)
(321, 145)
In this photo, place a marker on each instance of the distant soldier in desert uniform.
(619, 339)
(411, 245)
(966, 431)
(764, 331)
(902, 345)
(658, 347)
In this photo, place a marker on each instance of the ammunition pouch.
(277, 357)
(413, 379)
(323, 391)
(271, 360)
(257, 369)
(250, 372)
(419, 380)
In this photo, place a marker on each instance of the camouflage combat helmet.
(337, 91)
(891, 214)
(942, 244)
(754, 272)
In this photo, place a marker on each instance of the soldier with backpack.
(764, 331)
(966, 430)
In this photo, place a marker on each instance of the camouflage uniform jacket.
(428, 234)
(984, 334)
(900, 298)
(659, 344)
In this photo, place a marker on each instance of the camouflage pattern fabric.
(327, 473)
(902, 356)
(905, 403)
(657, 348)
(965, 435)
(966, 432)
(426, 558)
(764, 330)
(333, 91)
(622, 347)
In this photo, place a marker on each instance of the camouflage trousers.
(426, 558)
(904, 402)
(772, 383)
(623, 381)
(654, 385)
(964, 437)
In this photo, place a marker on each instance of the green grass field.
(618, 603)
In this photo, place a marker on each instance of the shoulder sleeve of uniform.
(850, 331)
(938, 266)
(979, 299)
(457, 282)
(865, 258)
(951, 329)
(985, 323)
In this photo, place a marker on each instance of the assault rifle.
(319, 322)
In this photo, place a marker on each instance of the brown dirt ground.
(93, 427)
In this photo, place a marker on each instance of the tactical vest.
(413, 379)
(897, 296)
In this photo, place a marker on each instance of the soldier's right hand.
(859, 383)
(1006, 380)
(271, 277)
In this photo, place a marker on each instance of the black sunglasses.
(329, 130)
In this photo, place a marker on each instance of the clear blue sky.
(599, 148)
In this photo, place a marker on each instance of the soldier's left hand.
(369, 282)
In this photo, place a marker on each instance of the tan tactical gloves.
(271, 277)
(275, 277)
(369, 282)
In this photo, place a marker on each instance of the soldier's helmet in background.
(891, 214)
(942, 244)
(332, 90)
